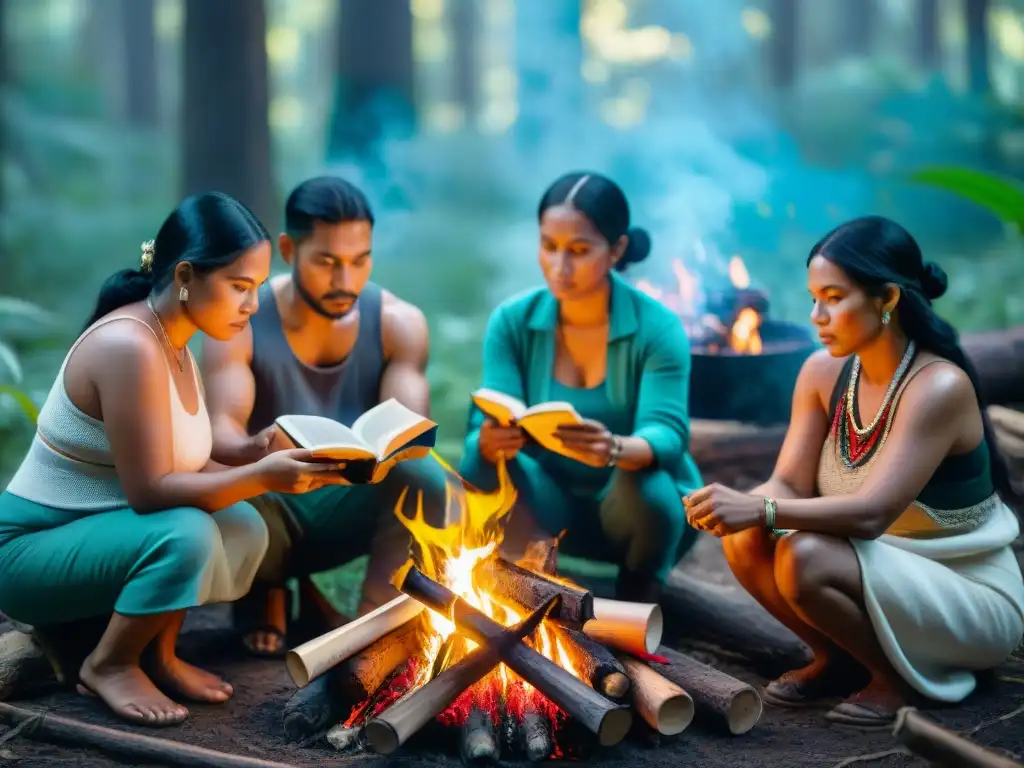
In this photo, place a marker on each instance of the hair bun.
(934, 280)
(637, 249)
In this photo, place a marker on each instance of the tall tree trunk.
(225, 131)
(465, 33)
(141, 98)
(375, 90)
(102, 56)
(926, 43)
(858, 27)
(976, 21)
(782, 50)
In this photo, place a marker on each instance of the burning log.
(478, 739)
(731, 621)
(732, 701)
(605, 672)
(312, 659)
(535, 729)
(610, 722)
(532, 590)
(663, 705)
(936, 744)
(389, 730)
(632, 627)
(541, 557)
(326, 700)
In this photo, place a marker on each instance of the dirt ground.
(250, 724)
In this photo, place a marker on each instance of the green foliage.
(25, 329)
(1004, 198)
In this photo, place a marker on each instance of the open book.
(538, 421)
(381, 437)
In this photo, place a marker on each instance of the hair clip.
(146, 264)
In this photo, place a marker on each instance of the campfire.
(744, 363)
(724, 319)
(505, 657)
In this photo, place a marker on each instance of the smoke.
(679, 163)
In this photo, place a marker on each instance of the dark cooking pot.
(752, 388)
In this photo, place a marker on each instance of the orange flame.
(743, 336)
(450, 556)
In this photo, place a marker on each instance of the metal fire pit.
(726, 385)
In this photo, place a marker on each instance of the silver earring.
(885, 315)
(183, 294)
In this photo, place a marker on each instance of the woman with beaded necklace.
(882, 538)
(117, 512)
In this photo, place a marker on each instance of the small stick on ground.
(931, 741)
(135, 747)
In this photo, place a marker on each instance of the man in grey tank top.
(328, 342)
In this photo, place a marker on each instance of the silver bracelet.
(770, 509)
(616, 451)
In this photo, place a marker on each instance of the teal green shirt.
(648, 373)
(577, 478)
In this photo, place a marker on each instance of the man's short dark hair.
(328, 199)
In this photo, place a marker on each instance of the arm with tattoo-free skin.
(794, 476)
(128, 372)
(230, 396)
(406, 342)
(937, 410)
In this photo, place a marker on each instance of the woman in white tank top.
(117, 509)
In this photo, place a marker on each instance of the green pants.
(636, 522)
(324, 529)
(59, 565)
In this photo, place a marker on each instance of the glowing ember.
(451, 556)
(712, 324)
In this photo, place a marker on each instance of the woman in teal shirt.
(623, 361)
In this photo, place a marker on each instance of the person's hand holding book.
(296, 471)
(497, 441)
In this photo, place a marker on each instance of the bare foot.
(269, 638)
(130, 693)
(824, 678)
(191, 681)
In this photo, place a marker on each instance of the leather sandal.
(790, 692)
(858, 713)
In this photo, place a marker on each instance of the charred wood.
(390, 728)
(610, 722)
(599, 665)
(478, 738)
(331, 696)
(531, 590)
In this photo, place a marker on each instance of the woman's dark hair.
(209, 231)
(874, 251)
(604, 203)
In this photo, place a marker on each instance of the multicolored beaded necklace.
(857, 443)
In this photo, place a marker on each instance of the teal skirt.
(60, 565)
